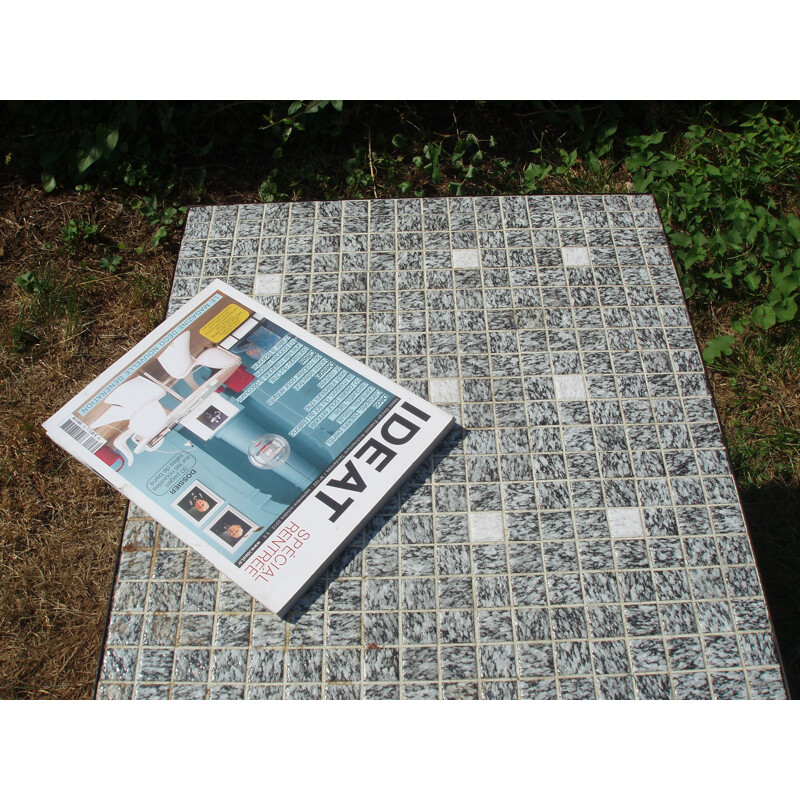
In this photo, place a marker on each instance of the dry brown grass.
(59, 523)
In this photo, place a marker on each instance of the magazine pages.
(256, 443)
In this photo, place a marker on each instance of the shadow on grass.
(773, 518)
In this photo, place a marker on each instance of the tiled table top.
(579, 537)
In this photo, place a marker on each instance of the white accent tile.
(445, 390)
(268, 284)
(465, 258)
(625, 523)
(486, 526)
(575, 256)
(570, 387)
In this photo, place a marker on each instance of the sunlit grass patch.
(756, 389)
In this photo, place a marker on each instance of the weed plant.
(49, 300)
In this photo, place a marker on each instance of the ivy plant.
(718, 190)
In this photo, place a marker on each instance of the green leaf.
(159, 235)
(398, 140)
(89, 158)
(458, 150)
(784, 277)
(753, 280)
(26, 281)
(532, 174)
(692, 257)
(567, 161)
(680, 239)
(266, 191)
(110, 264)
(294, 107)
(106, 139)
(433, 152)
(793, 224)
(717, 347)
(763, 316)
(337, 104)
(48, 181)
(642, 180)
(641, 142)
(786, 309)
(667, 168)
(636, 160)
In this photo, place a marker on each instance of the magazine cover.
(257, 444)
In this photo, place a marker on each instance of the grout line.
(598, 460)
(505, 543)
(434, 517)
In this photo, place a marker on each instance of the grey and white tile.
(584, 539)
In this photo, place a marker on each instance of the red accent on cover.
(240, 380)
(110, 456)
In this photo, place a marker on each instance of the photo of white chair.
(136, 400)
(179, 363)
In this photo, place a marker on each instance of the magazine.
(256, 443)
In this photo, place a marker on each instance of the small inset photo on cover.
(198, 503)
(258, 340)
(209, 416)
(212, 417)
(231, 527)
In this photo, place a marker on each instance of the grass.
(60, 526)
(758, 395)
(88, 247)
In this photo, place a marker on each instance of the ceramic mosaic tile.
(579, 536)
